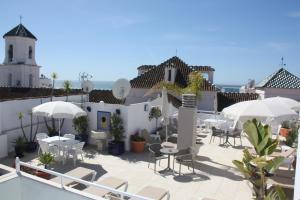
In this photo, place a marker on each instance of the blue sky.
(110, 39)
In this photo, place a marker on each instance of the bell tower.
(19, 67)
(19, 46)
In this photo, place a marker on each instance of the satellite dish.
(87, 86)
(121, 88)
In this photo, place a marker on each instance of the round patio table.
(168, 152)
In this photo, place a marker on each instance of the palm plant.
(257, 168)
(67, 88)
(117, 128)
(193, 87)
(46, 159)
(54, 77)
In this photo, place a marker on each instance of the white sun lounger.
(111, 182)
(79, 172)
(154, 193)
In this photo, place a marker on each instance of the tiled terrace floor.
(215, 175)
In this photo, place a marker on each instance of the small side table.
(168, 152)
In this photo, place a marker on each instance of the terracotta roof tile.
(156, 75)
(104, 95)
(226, 99)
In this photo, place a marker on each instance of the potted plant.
(257, 168)
(137, 143)
(20, 146)
(285, 129)
(45, 159)
(117, 145)
(81, 125)
(292, 137)
(31, 144)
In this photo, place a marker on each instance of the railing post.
(17, 163)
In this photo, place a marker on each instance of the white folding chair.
(70, 136)
(76, 150)
(46, 148)
(40, 136)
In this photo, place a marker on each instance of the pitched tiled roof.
(20, 31)
(7, 93)
(104, 95)
(226, 99)
(148, 67)
(174, 100)
(156, 75)
(281, 79)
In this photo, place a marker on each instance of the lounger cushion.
(153, 192)
(111, 182)
(79, 172)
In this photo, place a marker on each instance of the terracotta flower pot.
(42, 174)
(285, 131)
(138, 146)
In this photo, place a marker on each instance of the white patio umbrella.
(263, 110)
(291, 103)
(58, 110)
(165, 109)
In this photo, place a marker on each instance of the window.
(30, 80)
(10, 53)
(169, 75)
(9, 82)
(30, 52)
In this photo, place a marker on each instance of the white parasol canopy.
(59, 110)
(291, 103)
(262, 110)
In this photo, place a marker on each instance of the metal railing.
(122, 195)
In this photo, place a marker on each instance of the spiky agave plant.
(256, 168)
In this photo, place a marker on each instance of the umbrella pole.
(166, 129)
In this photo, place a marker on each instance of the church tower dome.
(19, 46)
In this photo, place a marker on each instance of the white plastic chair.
(46, 148)
(40, 136)
(76, 150)
(70, 136)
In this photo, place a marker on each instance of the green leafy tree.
(155, 113)
(255, 168)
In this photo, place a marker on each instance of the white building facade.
(19, 68)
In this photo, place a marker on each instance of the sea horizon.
(107, 85)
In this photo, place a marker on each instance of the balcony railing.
(122, 195)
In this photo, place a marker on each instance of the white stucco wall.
(134, 117)
(10, 124)
(289, 93)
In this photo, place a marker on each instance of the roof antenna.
(20, 19)
(282, 63)
(176, 52)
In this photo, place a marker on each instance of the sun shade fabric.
(58, 109)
